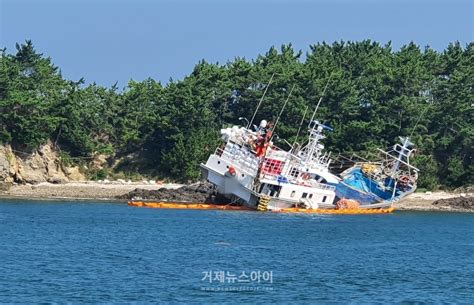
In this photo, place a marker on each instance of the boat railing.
(390, 156)
(307, 183)
(321, 185)
(240, 157)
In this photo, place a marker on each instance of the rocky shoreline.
(84, 190)
(437, 201)
(200, 192)
(41, 175)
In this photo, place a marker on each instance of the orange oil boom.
(203, 206)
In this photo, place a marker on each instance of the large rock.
(461, 203)
(5, 186)
(55, 173)
(32, 169)
(202, 192)
(74, 174)
(8, 163)
(40, 166)
(4, 164)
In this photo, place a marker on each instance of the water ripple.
(109, 252)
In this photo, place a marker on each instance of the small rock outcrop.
(74, 174)
(201, 192)
(461, 203)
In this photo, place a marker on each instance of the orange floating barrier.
(182, 205)
(205, 206)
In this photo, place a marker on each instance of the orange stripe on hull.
(337, 211)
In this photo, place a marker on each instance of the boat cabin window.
(304, 195)
(270, 189)
(310, 196)
(294, 172)
(292, 194)
(324, 198)
(319, 179)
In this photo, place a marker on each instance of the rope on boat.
(347, 204)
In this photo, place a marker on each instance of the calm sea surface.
(110, 252)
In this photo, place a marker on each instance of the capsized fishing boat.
(250, 169)
(381, 182)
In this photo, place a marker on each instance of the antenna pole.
(311, 149)
(419, 118)
(260, 102)
(299, 128)
(321, 98)
(283, 108)
(296, 139)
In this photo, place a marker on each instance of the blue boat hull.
(357, 186)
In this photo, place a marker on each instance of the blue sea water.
(110, 252)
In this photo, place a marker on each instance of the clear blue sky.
(108, 41)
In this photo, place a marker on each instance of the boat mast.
(299, 128)
(281, 111)
(403, 152)
(260, 102)
(315, 137)
(320, 98)
(261, 161)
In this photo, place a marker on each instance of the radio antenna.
(260, 102)
(299, 128)
(321, 98)
(281, 111)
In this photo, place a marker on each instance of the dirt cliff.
(42, 165)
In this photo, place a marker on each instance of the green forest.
(374, 95)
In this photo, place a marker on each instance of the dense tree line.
(375, 94)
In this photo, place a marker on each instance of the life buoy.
(232, 171)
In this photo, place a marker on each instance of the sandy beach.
(80, 190)
(110, 190)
